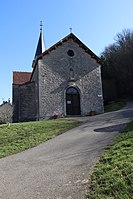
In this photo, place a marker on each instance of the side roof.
(75, 39)
(21, 77)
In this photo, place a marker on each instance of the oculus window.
(70, 53)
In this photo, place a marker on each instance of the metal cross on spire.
(41, 25)
(70, 30)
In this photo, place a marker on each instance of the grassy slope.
(113, 175)
(18, 137)
(114, 107)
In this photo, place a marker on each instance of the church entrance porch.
(72, 101)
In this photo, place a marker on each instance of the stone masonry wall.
(36, 90)
(54, 79)
(27, 111)
(15, 99)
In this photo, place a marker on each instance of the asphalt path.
(60, 168)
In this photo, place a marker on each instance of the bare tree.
(6, 113)
(117, 64)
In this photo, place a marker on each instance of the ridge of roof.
(20, 72)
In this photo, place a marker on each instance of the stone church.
(65, 81)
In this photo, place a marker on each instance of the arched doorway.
(72, 101)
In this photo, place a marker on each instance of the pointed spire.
(40, 46)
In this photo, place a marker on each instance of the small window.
(70, 53)
(71, 74)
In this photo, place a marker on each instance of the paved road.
(61, 167)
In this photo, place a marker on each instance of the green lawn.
(20, 136)
(113, 175)
(114, 106)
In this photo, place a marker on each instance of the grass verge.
(21, 136)
(114, 106)
(113, 176)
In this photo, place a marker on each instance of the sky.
(95, 22)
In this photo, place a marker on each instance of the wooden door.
(72, 101)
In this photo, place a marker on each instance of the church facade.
(65, 81)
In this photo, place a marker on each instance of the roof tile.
(21, 77)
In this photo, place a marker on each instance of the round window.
(70, 53)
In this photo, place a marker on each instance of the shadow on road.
(118, 127)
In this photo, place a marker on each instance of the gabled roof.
(75, 39)
(21, 77)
